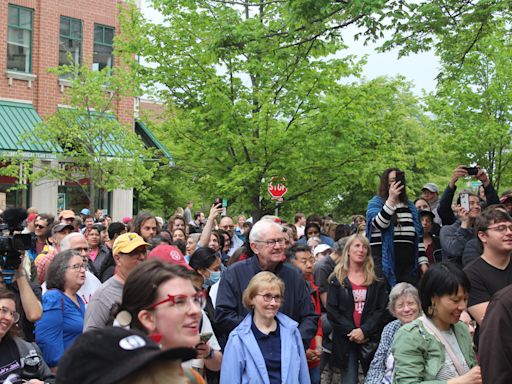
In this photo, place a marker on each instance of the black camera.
(472, 171)
(12, 243)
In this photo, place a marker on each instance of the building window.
(70, 47)
(19, 39)
(103, 47)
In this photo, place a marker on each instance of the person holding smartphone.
(394, 229)
(445, 211)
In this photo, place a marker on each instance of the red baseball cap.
(168, 254)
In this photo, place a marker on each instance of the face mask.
(214, 277)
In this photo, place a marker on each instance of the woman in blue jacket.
(63, 309)
(266, 347)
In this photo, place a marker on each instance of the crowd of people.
(409, 292)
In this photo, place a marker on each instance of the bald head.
(226, 223)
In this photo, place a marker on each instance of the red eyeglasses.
(183, 302)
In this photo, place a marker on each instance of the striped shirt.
(404, 231)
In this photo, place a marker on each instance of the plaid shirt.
(378, 366)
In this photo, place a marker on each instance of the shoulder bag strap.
(433, 329)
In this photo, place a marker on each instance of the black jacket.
(297, 303)
(340, 312)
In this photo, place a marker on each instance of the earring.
(431, 309)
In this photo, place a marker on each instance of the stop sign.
(276, 187)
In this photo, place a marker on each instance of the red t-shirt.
(359, 293)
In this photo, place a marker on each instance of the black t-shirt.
(9, 359)
(486, 280)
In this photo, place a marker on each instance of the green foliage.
(473, 107)
(253, 95)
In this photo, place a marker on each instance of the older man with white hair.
(268, 242)
(77, 241)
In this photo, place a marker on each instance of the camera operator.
(445, 204)
(13, 274)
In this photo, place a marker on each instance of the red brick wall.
(45, 93)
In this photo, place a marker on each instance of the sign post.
(277, 189)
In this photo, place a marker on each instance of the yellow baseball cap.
(127, 242)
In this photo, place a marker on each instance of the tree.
(473, 106)
(93, 149)
(450, 27)
(254, 96)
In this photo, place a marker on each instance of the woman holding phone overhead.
(395, 232)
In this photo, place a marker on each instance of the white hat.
(320, 248)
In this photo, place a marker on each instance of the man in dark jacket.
(104, 263)
(268, 243)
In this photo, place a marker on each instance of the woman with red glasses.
(160, 300)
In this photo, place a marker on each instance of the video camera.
(12, 243)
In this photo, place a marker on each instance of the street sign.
(277, 188)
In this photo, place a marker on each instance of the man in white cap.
(430, 192)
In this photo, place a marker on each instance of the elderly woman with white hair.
(404, 304)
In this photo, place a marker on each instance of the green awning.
(17, 121)
(150, 140)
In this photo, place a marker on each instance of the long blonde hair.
(341, 269)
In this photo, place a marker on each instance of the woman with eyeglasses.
(19, 359)
(63, 309)
(160, 300)
(266, 347)
(437, 347)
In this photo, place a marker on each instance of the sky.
(421, 69)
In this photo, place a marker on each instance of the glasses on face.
(15, 316)
(268, 298)
(273, 242)
(79, 266)
(136, 254)
(313, 233)
(40, 226)
(183, 302)
(501, 228)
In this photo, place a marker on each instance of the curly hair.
(56, 271)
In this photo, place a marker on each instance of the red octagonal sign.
(277, 187)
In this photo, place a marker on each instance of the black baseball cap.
(111, 354)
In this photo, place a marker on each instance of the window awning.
(150, 140)
(17, 121)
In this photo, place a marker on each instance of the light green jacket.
(419, 356)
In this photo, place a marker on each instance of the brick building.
(36, 35)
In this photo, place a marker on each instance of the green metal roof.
(17, 121)
(150, 140)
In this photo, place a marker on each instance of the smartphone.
(464, 200)
(217, 201)
(472, 171)
(400, 176)
(224, 207)
(204, 337)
